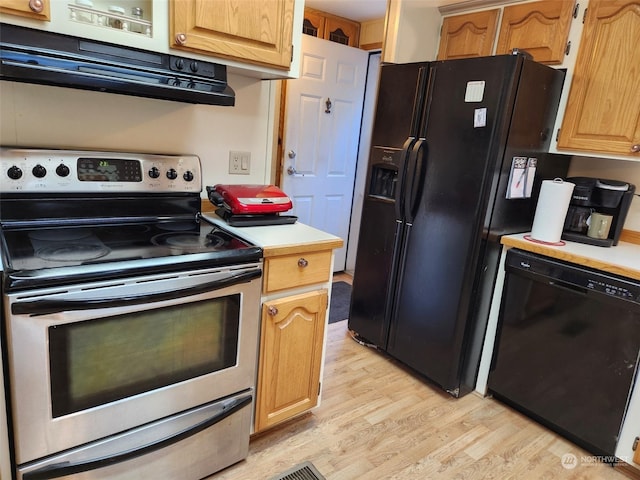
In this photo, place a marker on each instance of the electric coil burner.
(131, 321)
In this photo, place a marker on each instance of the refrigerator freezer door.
(396, 123)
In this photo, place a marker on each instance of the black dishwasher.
(567, 348)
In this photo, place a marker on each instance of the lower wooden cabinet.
(291, 343)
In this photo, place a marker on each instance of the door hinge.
(575, 10)
(584, 16)
(635, 444)
(320, 388)
(292, 48)
(568, 49)
(557, 135)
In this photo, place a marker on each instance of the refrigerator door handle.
(404, 164)
(415, 179)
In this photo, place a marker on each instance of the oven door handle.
(45, 307)
(67, 468)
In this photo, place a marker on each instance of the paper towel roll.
(551, 210)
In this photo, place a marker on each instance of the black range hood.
(35, 56)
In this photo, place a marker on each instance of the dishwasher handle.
(45, 307)
(68, 468)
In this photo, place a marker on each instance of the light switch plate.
(239, 162)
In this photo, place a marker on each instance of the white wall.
(625, 171)
(42, 116)
(412, 31)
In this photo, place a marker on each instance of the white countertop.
(282, 239)
(623, 259)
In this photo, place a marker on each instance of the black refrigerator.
(457, 161)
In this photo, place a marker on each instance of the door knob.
(291, 154)
(635, 148)
(291, 170)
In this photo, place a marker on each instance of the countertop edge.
(279, 240)
(592, 260)
(277, 250)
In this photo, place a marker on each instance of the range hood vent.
(35, 56)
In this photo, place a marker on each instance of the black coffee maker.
(591, 195)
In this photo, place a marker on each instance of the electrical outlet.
(239, 162)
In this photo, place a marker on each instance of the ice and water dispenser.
(383, 177)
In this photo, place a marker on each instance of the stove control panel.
(66, 171)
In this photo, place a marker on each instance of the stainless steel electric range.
(130, 323)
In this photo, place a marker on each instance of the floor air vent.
(303, 471)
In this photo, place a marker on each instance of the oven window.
(99, 361)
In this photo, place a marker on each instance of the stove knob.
(62, 170)
(194, 66)
(172, 174)
(39, 171)
(14, 173)
(154, 172)
(188, 176)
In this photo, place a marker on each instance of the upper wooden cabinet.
(540, 28)
(330, 27)
(38, 9)
(468, 35)
(257, 32)
(603, 108)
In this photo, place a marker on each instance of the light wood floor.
(378, 422)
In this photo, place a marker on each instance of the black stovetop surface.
(37, 256)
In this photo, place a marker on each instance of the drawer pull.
(302, 262)
(273, 311)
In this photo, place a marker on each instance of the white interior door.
(323, 115)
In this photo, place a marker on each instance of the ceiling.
(362, 10)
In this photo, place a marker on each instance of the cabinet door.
(540, 28)
(313, 23)
(257, 32)
(602, 113)
(38, 9)
(468, 35)
(342, 31)
(290, 357)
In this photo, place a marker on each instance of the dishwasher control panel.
(572, 276)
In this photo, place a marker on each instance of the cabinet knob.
(271, 310)
(302, 262)
(635, 148)
(181, 38)
(36, 5)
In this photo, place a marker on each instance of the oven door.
(94, 360)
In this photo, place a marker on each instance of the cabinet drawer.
(290, 271)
